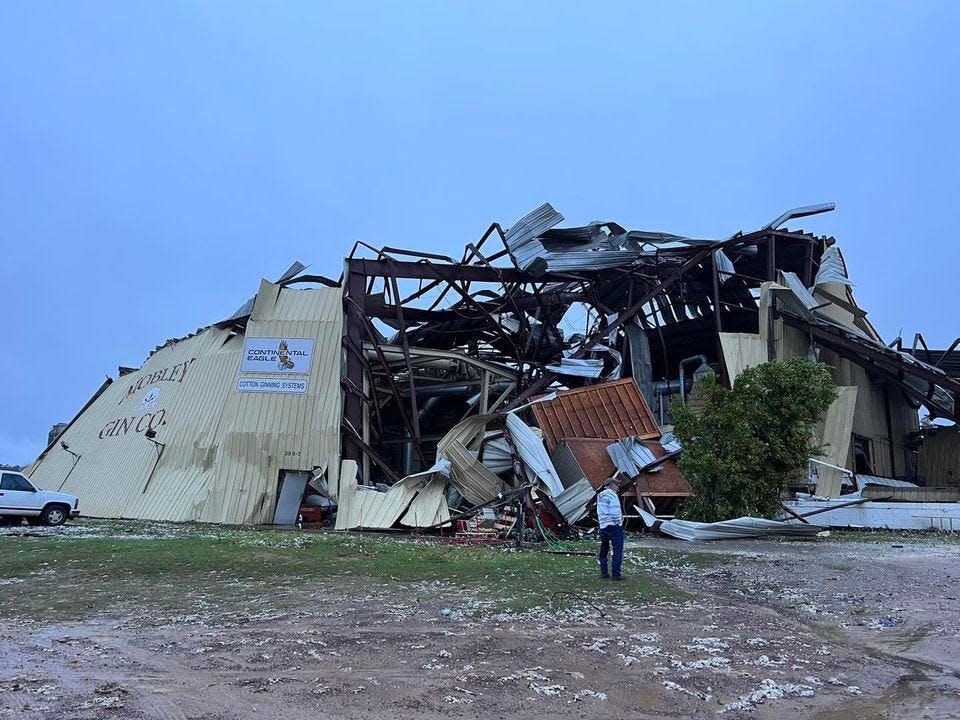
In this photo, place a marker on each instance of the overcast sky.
(158, 159)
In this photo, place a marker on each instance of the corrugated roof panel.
(572, 502)
(833, 269)
(531, 450)
(472, 480)
(629, 455)
(430, 506)
(611, 410)
(521, 235)
(586, 367)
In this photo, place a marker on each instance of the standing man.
(611, 528)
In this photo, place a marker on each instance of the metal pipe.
(456, 390)
(683, 363)
(433, 396)
(406, 452)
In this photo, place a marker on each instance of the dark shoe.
(604, 577)
(617, 579)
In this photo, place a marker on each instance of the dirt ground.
(835, 628)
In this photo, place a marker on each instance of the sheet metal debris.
(738, 529)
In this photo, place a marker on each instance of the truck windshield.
(12, 481)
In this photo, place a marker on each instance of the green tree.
(740, 445)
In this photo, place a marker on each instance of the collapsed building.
(419, 390)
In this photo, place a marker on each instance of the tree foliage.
(740, 445)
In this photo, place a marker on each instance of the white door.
(17, 495)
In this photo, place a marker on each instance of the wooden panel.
(591, 454)
(668, 482)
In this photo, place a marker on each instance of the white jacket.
(608, 509)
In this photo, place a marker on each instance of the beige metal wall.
(870, 416)
(940, 458)
(874, 402)
(224, 449)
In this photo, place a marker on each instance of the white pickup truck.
(21, 500)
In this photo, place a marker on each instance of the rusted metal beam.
(356, 294)
(411, 383)
(440, 271)
(420, 315)
(718, 318)
(772, 259)
(877, 355)
(375, 342)
(370, 452)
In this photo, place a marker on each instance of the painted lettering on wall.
(135, 423)
(175, 373)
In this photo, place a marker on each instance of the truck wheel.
(54, 515)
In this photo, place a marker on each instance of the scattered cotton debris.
(585, 693)
(768, 690)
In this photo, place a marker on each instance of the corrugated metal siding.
(224, 450)
(568, 469)
(742, 351)
(534, 455)
(870, 418)
(940, 458)
(610, 410)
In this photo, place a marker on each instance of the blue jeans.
(611, 535)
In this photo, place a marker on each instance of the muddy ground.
(835, 628)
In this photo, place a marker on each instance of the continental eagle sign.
(288, 356)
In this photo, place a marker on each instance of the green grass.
(78, 576)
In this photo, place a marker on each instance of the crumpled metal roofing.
(833, 268)
(585, 367)
(420, 500)
(572, 502)
(474, 481)
(795, 284)
(537, 246)
(521, 237)
(630, 455)
(743, 527)
(725, 268)
(864, 480)
(534, 455)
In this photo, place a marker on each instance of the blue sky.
(158, 159)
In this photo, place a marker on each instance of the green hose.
(552, 541)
